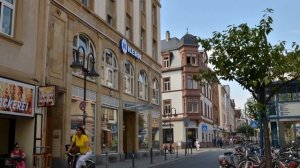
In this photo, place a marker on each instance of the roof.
(174, 43)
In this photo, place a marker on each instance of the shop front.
(17, 118)
(141, 129)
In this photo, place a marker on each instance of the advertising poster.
(16, 98)
(46, 96)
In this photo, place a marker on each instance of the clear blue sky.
(202, 17)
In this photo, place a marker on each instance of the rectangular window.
(143, 132)
(154, 50)
(154, 15)
(166, 62)
(85, 3)
(128, 31)
(192, 105)
(190, 60)
(142, 6)
(110, 8)
(143, 40)
(168, 135)
(109, 130)
(7, 12)
(167, 84)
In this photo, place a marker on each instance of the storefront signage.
(125, 48)
(289, 109)
(16, 98)
(46, 96)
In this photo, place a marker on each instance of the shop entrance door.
(191, 136)
(129, 133)
(7, 139)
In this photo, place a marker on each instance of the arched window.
(81, 40)
(143, 85)
(109, 69)
(128, 78)
(155, 91)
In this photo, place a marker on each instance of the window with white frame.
(167, 84)
(109, 69)
(143, 85)
(166, 62)
(191, 84)
(155, 91)
(192, 105)
(191, 59)
(84, 42)
(128, 78)
(110, 10)
(7, 16)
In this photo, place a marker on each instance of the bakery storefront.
(17, 112)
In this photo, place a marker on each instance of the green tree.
(244, 55)
(246, 129)
(251, 109)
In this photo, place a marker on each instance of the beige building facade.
(121, 40)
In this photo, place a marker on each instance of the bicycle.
(169, 150)
(72, 159)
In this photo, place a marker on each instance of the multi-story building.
(182, 60)
(121, 39)
(283, 110)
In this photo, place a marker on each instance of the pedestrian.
(197, 144)
(214, 141)
(221, 142)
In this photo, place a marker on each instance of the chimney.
(167, 35)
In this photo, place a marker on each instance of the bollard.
(177, 151)
(165, 153)
(151, 155)
(185, 152)
(191, 149)
(106, 160)
(132, 160)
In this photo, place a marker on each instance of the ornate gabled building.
(182, 60)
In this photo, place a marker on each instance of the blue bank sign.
(125, 48)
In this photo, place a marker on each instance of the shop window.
(128, 78)
(109, 130)
(109, 70)
(143, 85)
(155, 91)
(143, 131)
(84, 42)
(77, 119)
(7, 16)
(155, 131)
(168, 135)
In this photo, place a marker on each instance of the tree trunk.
(266, 139)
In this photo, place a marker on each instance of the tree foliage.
(246, 129)
(244, 55)
(251, 109)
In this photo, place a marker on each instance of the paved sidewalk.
(146, 162)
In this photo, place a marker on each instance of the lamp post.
(168, 112)
(84, 65)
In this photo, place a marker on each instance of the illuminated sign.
(16, 98)
(125, 48)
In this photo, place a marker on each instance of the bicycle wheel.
(245, 164)
(90, 164)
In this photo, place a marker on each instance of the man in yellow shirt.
(82, 141)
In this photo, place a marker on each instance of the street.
(201, 160)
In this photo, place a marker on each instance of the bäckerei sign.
(16, 98)
(125, 48)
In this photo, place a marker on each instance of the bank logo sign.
(127, 49)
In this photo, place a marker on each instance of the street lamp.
(84, 65)
(169, 113)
